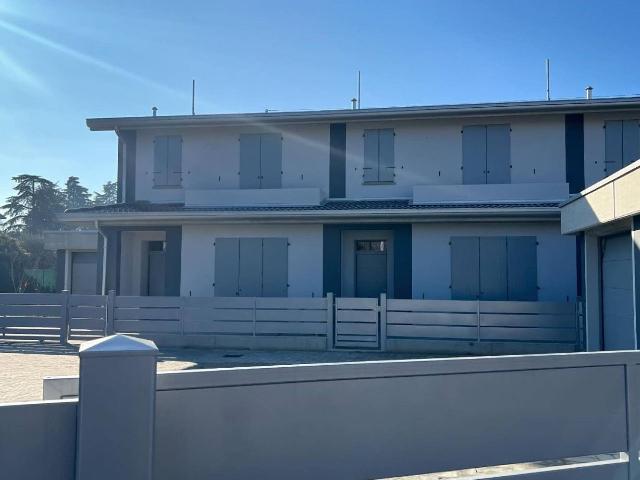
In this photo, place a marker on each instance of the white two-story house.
(438, 202)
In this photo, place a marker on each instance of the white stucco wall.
(594, 139)
(432, 257)
(305, 255)
(430, 152)
(211, 159)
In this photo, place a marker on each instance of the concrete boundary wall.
(371, 420)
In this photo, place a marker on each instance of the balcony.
(494, 193)
(255, 197)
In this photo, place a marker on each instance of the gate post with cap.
(116, 410)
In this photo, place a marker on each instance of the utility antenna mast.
(548, 65)
(193, 97)
(358, 89)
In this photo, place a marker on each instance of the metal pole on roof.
(548, 80)
(193, 97)
(358, 89)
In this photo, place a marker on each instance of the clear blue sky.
(63, 61)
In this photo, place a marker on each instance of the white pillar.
(116, 410)
(635, 258)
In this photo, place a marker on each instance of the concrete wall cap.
(117, 345)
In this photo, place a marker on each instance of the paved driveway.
(23, 365)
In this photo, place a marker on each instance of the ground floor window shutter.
(251, 267)
(494, 268)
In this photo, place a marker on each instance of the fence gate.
(357, 323)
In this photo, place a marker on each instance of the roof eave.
(399, 113)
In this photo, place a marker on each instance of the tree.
(76, 196)
(34, 207)
(13, 261)
(108, 196)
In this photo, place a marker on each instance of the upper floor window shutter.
(498, 154)
(630, 141)
(486, 154)
(370, 172)
(174, 160)
(250, 160)
(379, 155)
(160, 149)
(167, 161)
(270, 160)
(612, 146)
(474, 154)
(386, 155)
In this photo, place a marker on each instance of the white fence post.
(110, 327)
(64, 329)
(329, 321)
(116, 410)
(383, 322)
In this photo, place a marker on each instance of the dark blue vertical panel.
(173, 260)
(127, 150)
(112, 274)
(493, 268)
(337, 160)
(402, 266)
(574, 151)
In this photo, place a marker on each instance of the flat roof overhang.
(606, 205)
(367, 114)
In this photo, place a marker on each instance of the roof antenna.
(358, 89)
(193, 97)
(548, 64)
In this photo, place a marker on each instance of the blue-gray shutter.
(465, 274)
(250, 161)
(522, 267)
(275, 267)
(474, 154)
(493, 268)
(250, 268)
(613, 146)
(226, 267)
(270, 160)
(498, 154)
(160, 149)
(227, 256)
(386, 155)
(630, 141)
(174, 160)
(370, 169)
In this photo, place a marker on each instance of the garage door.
(84, 272)
(617, 293)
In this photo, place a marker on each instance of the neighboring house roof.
(416, 112)
(332, 208)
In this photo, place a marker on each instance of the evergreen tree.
(34, 207)
(108, 196)
(76, 196)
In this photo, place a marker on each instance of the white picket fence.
(299, 323)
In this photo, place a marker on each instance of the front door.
(371, 268)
